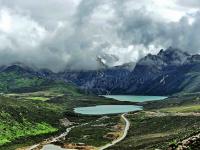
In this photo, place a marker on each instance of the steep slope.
(17, 77)
(21, 118)
(104, 81)
(169, 72)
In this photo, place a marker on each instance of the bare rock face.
(157, 69)
(104, 81)
(153, 73)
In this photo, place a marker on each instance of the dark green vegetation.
(174, 101)
(31, 106)
(91, 133)
(13, 79)
(151, 132)
(163, 123)
(35, 116)
(22, 118)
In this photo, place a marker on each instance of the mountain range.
(168, 72)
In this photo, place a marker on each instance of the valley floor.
(29, 118)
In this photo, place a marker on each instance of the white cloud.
(5, 21)
(60, 33)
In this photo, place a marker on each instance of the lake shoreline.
(134, 103)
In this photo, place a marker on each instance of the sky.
(72, 34)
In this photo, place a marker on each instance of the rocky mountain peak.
(172, 51)
(193, 59)
(150, 60)
(173, 56)
(170, 56)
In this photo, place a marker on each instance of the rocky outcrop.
(65, 122)
(191, 143)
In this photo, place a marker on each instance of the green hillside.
(30, 108)
(10, 81)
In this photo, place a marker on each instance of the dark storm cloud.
(138, 27)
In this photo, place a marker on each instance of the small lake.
(106, 109)
(116, 109)
(133, 98)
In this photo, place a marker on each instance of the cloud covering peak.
(59, 34)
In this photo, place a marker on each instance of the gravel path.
(127, 125)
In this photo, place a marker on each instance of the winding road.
(127, 125)
(50, 140)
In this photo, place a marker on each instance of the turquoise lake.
(133, 98)
(106, 109)
(116, 109)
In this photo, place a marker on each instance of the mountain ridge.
(168, 72)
